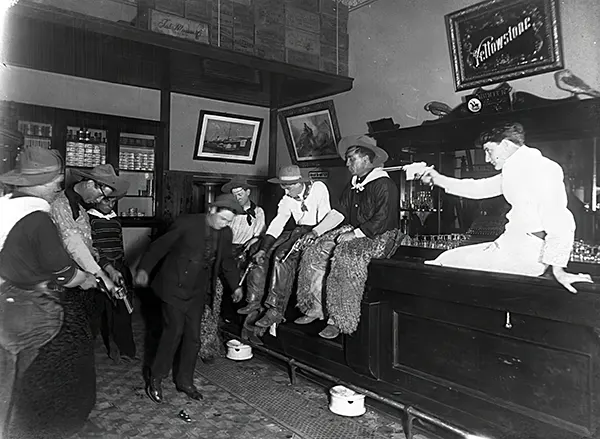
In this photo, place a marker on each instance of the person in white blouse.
(540, 228)
(308, 203)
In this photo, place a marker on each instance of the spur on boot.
(270, 317)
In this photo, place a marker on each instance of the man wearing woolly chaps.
(369, 205)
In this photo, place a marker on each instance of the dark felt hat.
(236, 182)
(229, 202)
(36, 166)
(366, 142)
(106, 175)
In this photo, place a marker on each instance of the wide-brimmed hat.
(288, 175)
(234, 183)
(106, 175)
(366, 142)
(36, 166)
(227, 201)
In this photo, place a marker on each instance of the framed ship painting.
(227, 137)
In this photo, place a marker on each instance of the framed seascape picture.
(227, 137)
(312, 134)
(498, 40)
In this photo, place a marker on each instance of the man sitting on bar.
(540, 228)
(246, 227)
(369, 205)
(308, 203)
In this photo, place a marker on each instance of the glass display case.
(85, 147)
(36, 133)
(136, 163)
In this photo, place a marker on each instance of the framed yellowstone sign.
(499, 40)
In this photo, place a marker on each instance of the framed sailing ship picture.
(227, 137)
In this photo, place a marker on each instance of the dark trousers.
(181, 336)
(113, 321)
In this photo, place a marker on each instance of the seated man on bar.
(369, 205)
(247, 229)
(540, 228)
(308, 203)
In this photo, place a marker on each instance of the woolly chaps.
(346, 281)
(211, 344)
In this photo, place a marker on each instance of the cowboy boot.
(271, 316)
(253, 300)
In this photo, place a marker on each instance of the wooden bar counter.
(503, 356)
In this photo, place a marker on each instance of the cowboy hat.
(236, 182)
(36, 166)
(288, 175)
(366, 142)
(227, 201)
(106, 175)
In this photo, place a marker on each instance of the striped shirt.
(107, 238)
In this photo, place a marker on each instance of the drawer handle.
(508, 323)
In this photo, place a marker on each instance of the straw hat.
(289, 175)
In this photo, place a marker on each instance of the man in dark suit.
(197, 249)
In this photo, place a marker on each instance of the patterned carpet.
(251, 399)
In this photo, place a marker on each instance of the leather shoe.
(250, 308)
(154, 390)
(190, 391)
(330, 332)
(305, 320)
(270, 317)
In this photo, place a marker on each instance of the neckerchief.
(304, 196)
(251, 213)
(97, 213)
(376, 173)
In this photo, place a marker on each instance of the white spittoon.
(346, 402)
(238, 351)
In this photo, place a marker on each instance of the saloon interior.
(439, 352)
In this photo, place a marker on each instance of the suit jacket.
(183, 277)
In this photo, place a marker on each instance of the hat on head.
(229, 202)
(289, 175)
(234, 183)
(366, 142)
(106, 175)
(36, 166)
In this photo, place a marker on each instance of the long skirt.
(54, 396)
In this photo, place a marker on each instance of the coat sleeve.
(159, 248)
(229, 267)
(476, 189)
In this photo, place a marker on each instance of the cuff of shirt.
(359, 233)
(557, 252)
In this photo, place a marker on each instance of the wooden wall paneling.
(164, 133)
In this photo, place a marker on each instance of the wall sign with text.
(498, 40)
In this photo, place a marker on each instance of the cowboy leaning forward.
(69, 213)
(308, 203)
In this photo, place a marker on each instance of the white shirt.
(318, 205)
(533, 185)
(244, 232)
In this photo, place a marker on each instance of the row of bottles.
(86, 135)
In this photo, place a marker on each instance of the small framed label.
(318, 175)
